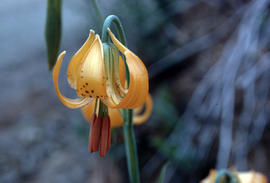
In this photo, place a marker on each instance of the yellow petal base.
(115, 115)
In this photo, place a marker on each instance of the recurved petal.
(122, 71)
(141, 118)
(139, 84)
(73, 67)
(71, 103)
(91, 78)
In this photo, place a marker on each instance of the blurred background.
(208, 62)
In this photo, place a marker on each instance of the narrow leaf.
(53, 30)
(162, 173)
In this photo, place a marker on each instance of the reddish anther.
(100, 135)
(94, 136)
(105, 140)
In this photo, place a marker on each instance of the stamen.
(105, 140)
(94, 136)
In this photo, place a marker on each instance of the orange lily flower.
(244, 177)
(97, 82)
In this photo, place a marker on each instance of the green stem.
(225, 176)
(100, 17)
(131, 148)
(119, 28)
(130, 142)
(121, 33)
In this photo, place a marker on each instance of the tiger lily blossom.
(243, 177)
(99, 83)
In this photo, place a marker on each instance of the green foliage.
(164, 147)
(162, 173)
(53, 30)
(186, 161)
(168, 118)
(164, 107)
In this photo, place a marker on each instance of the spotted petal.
(91, 78)
(73, 67)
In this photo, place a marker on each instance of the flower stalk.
(130, 142)
(130, 146)
(121, 33)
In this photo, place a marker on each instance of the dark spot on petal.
(86, 84)
(92, 91)
(83, 86)
(86, 91)
(97, 96)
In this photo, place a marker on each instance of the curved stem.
(119, 28)
(121, 34)
(130, 142)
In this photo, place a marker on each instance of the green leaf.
(162, 173)
(53, 30)
(164, 108)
